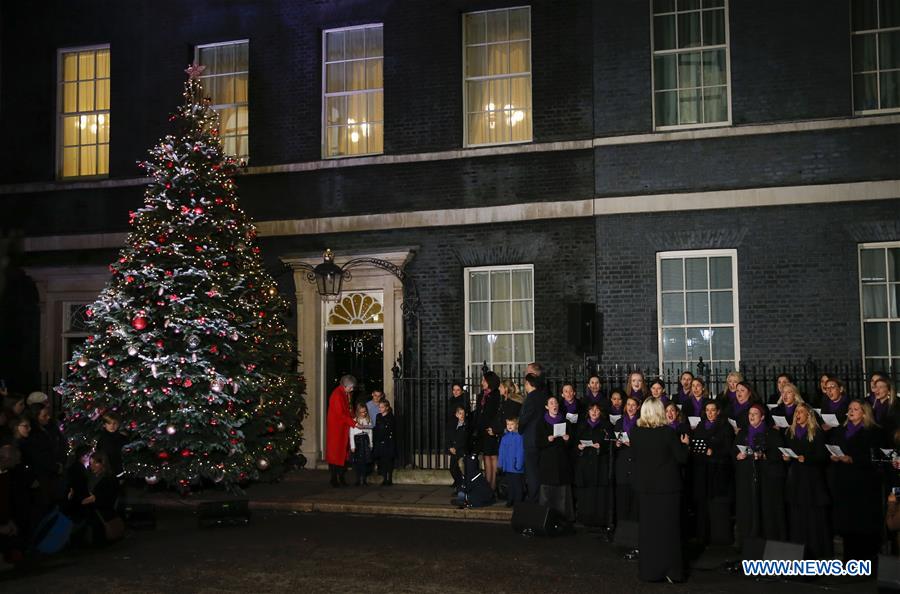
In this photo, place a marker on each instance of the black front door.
(359, 353)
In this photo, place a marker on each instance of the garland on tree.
(187, 343)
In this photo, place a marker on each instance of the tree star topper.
(195, 70)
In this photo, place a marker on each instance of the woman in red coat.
(337, 434)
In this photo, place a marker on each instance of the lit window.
(499, 318)
(879, 287)
(225, 82)
(83, 112)
(690, 63)
(497, 74)
(698, 309)
(353, 97)
(875, 31)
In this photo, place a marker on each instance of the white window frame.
(60, 98)
(466, 272)
(878, 30)
(736, 324)
(862, 316)
(326, 94)
(653, 54)
(68, 307)
(219, 106)
(466, 143)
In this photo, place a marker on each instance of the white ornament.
(152, 480)
(216, 386)
(193, 341)
(170, 429)
(132, 351)
(262, 464)
(102, 371)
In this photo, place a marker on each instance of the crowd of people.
(692, 466)
(42, 483)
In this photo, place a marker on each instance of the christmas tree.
(187, 342)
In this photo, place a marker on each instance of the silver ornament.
(262, 464)
(170, 429)
(280, 426)
(152, 480)
(193, 341)
(132, 351)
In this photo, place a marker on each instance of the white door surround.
(311, 324)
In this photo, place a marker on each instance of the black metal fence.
(421, 403)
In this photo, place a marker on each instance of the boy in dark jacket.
(457, 445)
(512, 461)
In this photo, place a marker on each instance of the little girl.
(361, 445)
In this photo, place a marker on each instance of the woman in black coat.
(658, 454)
(675, 420)
(458, 398)
(836, 400)
(759, 480)
(738, 407)
(488, 425)
(855, 484)
(713, 476)
(593, 480)
(385, 450)
(805, 488)
(47, 453)
(626, 500)
(555, 467)
(100, 506)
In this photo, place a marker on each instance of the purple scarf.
(880, 409)
(593, 424)
(615, 410)
(673, 424)
(800, 432)
(708, 424)
(789, 411)
(829, 405)
(697, 405)
(732, 396)
(754, 434)
(571, 407)
(637, 395)
(665, 400)
(738, 408)
(554, 420)
(852, 429)
(628, 423)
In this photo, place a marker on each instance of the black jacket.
(383, 436)
(592, 464)
(658, 454)
(555, 462)
(530, 415)
(457, 437)
(111, 444)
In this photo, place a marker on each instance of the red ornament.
(214, 349)
(163, 455)
(168, 273)
(219, 200)
(188, 383)
(160, 343)
(129, 279)
(110, 362)
(139, 322)
(198, 210)
(185, 453)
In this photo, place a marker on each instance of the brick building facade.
(791, 187)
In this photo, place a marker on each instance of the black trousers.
(532, 475)
(516, 483)
(455, 470)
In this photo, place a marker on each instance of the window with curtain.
(499, 318)
(225, 82)
(83, 137)
(698, 309)
(497, 75)
(690, 63)
(879, 287)
(353, 102)
(875, 35)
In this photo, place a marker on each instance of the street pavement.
(319, 552)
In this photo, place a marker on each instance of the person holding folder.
(713, 476)
(658, 453)
(553, 442)
(626, 500)
(855, 484)
(759, 479)
(593, 480)
(805, 488)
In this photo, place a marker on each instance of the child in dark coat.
(385, 446)
(457, 445)
(512, 461)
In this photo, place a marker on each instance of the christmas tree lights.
(187, 341)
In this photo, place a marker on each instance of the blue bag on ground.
(52, 533)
